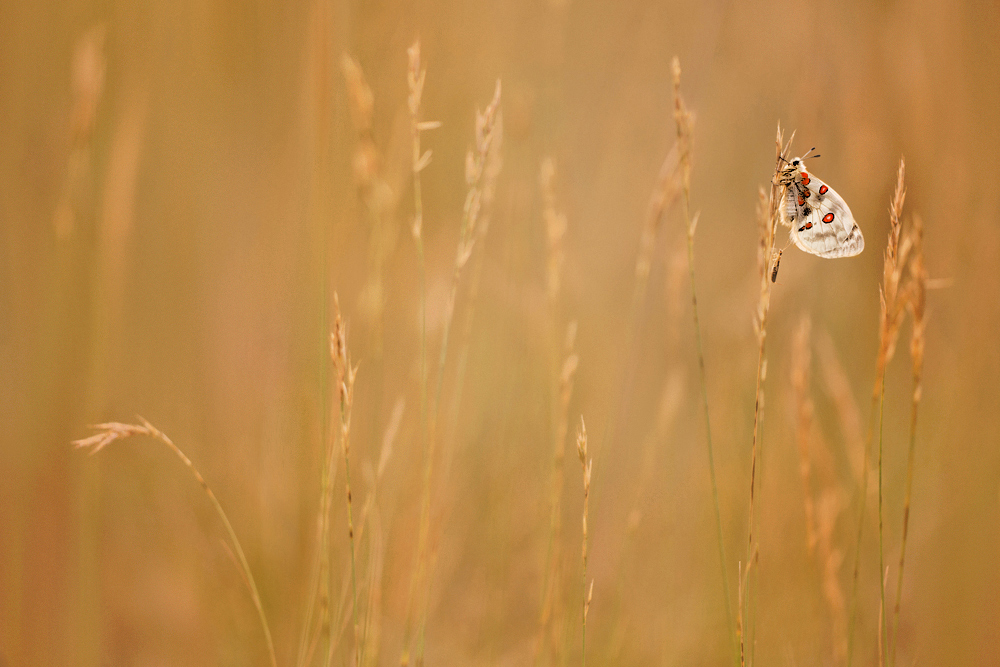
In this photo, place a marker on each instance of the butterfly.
(821, 222)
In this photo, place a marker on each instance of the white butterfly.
(821, 222)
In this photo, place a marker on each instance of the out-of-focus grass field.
(180, 199)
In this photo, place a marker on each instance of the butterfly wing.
(822, 223)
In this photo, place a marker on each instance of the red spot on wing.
(801, 201)
(805, 178)
(809, 225)
(823, 189)
(828, 217)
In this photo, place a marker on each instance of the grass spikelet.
(112, 431)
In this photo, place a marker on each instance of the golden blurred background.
(184, 187)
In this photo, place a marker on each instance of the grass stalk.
(562, 367)
(588, 591)
(768, 215)
(346, 375)
(420, 159)
(893, 302)
(112, 431)
(683, 120)
(917, 305)
(481, 169)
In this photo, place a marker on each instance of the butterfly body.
(821, 222)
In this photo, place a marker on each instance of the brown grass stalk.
(562, 364)
(346, 375)
(684, 120)
(415, 77)
(588, 592)
(893, 303)
(112, 431)
(917, 307)
(482, 167)
(768, 216)
(560, 416)
(481, 170)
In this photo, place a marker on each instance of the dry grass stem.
(550, 584)
(684, 121)
(346, 375)
(587, 464)
(893, 300)
(112, 431)
(482, 168)
(562, 363)
(768, 216)
(917, 306)
(415, 77)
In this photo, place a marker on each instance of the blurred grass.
(178, 203)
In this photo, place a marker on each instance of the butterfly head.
(795, 165)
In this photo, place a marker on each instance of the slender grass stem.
(415, 80)
(346, 375)
(906, 519)
(881, 547)
(683, 121)
(893, 303)
(917, 306)
(116, 431)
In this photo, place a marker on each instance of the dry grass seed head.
(111, 431)
(482, 166)
(894, 262)
(684, 120)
